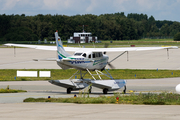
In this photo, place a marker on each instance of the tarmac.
(12, 106)
(66, 111)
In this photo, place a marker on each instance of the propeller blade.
(111, 66)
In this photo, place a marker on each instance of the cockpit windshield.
(77, 54)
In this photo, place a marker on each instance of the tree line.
(115, 26)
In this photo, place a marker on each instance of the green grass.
(10, 74)
(7, 90)
(147, 99)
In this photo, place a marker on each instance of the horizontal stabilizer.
(47, 59)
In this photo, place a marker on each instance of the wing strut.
(74, 74)
(14, 51)
(91, 74)
(98, 73)
(118, 56)
(127, 56)
(168, 53)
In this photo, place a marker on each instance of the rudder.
(60, 49)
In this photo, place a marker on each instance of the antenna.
(79, 45)
(83, 27)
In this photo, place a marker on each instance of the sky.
(159, 9)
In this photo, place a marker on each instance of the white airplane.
(87, 59)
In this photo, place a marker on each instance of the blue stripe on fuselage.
(79, 62)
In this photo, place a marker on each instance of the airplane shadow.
(74, 92)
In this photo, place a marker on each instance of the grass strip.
(56, 74)
(11, 91)
(140, 99)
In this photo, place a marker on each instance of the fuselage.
(84, 60)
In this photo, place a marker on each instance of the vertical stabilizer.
(60, 49)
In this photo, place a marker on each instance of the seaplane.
(86, 60)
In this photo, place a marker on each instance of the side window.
(84, 55)
(93, 55)
(89, 56)
(97, 54)
(101, 54)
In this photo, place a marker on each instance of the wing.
(40, 47)
(118, 49)
(73, 49)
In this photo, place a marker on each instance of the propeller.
(106, 45)
(110, 65)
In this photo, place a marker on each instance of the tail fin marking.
(60, 49)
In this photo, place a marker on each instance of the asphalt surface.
(12, 106)
(59, 111)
